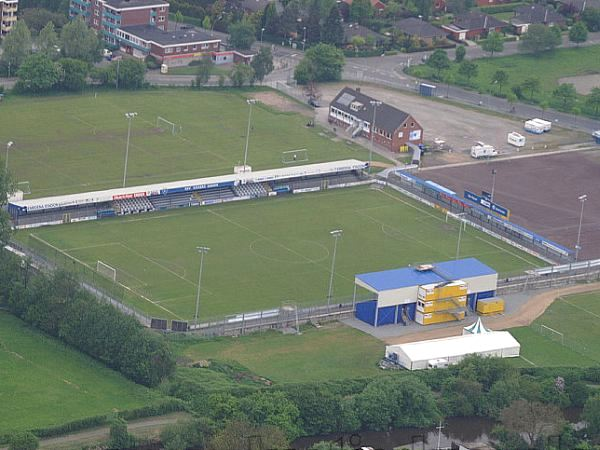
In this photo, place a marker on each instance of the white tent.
(419, 355)
(476, 328)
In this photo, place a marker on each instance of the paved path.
(524, 316)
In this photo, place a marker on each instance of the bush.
(23, 441)
(119, 436)
(152, 63)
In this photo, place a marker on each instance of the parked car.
(314, 102)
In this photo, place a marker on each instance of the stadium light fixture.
(129, 116)
(250, 101)
(336, 234)
(460, 227)
(582, 199)
(202, 251)
(9, 144)
(375, 104)
(494, 172)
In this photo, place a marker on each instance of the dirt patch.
(583, 83)
(523, 317)
(282, 103)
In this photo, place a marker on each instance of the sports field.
(45, 383)
(567, 334)
(270, 251)
(76, 143)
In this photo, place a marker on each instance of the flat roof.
(260, 176)
(124, 4)
(150, 33)
(409, 276)
(456, 346)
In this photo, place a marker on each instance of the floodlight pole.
(582, 199)
(202, 251)
(374, 104)
(129, 117)
(460, 227)
(494, 172)
(9, 144)
(336, 234)
(262, 30)
(250, 101)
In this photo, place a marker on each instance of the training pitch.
(267, 252)
(76, 143)
(46, 383)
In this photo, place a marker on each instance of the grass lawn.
(333, 351)
(269, 251)
(45, 383)
(548, 67)
(76, 143)
(577, 317)
(506, 16)
(193, 70)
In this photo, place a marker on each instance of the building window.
(195, 47)
(178, 49)
(405, 125)
(400, 134)
(169, 50)
(161, 18)
(95, 21)
(412, 124)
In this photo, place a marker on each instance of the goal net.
(552, 334)
(166, 125)
(294, 156)
(106, 270)
(24, 187)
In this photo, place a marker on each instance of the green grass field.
(45, 383)
(266, 252)
(76, 143)
(577, 317)
(331, 352)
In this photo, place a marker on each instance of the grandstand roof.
(63, 201)
(409, 276)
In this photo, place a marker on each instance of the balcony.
(85, 3)
(110, 15)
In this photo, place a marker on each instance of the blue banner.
(480, 200)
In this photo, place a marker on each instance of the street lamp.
(202, 251)
(375, 104)
(494, 172)
(336, 234)
(250, 101)
(262, 30)
(460, 227)
(129, 117)
(582, 199)
(9, 144)
(304, 39)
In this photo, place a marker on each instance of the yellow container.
(431, 318)
(442, 305)
(435, 292)
(490, 306)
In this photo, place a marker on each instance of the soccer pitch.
(270, 251)
(76, 143)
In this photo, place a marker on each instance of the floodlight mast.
(9, 144)
(202, 250)
(582, 199)
(129, 116)
(336, 235)
(250, 101)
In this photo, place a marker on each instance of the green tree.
(37, 74)
(206, 23)
(119, 437)
(130, 73)
(531, 84)
(16, 46)
(591, 18)
(468, 69)
(78, 41)
(47, 41)
(272, 408)
(449, 79)
(74, 74)
(534, 419)
(24, 440)
(424, 8)
(493, 43)
(262, 64)
(270, 19)
(238, 435)
(593, 100)
(361, 11)
(460, 53)
(288, 19)
(578, 392)
(178, 19)
(566, 96)
(439, 61)
(242, 35)
(578, 33)
(38, 18)
(463, 397)
(319, 409)
(333, 31)
(241, 74)
(323, 62)
(183, 435)
(591, 416)
(539, 38)
(204, 70)
(500, 77)
(313, 23)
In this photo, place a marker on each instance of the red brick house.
(473, 25)
(393, 128)
(108, 16)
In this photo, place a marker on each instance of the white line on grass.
(108, 244)
(530, 362)
(579, 307)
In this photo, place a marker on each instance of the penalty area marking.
(252, 247)
(530, 362)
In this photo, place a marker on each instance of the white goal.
(106, 270)
(294, 156)
(552, 334)
(164, 124)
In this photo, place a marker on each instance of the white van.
(481, 150)
(440, 363)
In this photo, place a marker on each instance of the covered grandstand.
(203, 191)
